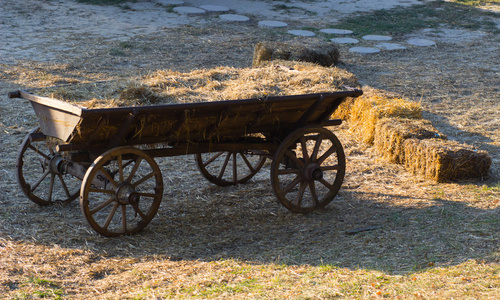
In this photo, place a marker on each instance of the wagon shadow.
(390, 238)
(357, 231)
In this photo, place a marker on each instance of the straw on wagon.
(276, 78)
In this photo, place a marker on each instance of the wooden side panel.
(194, 122)
(55, 122)
(208, 121)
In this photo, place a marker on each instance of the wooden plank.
(53, 103)
(54, 122)
(207, 121)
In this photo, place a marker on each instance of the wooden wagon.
(106, 156)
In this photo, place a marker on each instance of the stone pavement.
(38, 30)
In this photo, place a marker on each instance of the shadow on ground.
(359, 230)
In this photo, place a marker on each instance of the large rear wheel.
(121, 192)
(308, 169)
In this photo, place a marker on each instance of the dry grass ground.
(428, 240)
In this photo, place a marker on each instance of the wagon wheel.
(41, 171)
(121, 192)
(308, 169)
(229, 168)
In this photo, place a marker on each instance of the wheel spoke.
(300, 194)
(134, 169)
(235, 167)
(226, 161)
(65, 187)
(292, 184)
(39, 152)
(330, 168)
(143, 179)
(139, 212)
(109, 177)
(92, 190)
(213, 158)
(314, 154)
(150, 195)
(328, 185)
(124, 218)
(288, 171)
(326, 154)
(304, 149)
(294, 158)
(249, 165)
(312, 188)
(101, 206)
(120, 168)
(128, 163)
(44, 175)
(51, 186)
(110, 216)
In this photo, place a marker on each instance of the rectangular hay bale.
(444, 160)
(364, 112)
(395, 127)
(390, 134)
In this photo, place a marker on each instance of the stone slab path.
(26, 26)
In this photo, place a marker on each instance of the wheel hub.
(313, 172)
(126, 194)
(57, 165)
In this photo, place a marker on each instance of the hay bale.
(395, 127)
(365, 112)
(445, 160)
(321, 53)
(390, 134)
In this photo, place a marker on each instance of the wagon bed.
(231, 140)
(194, 122)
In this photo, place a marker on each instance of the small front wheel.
(308, 169)
(41, 171)
(121, 192)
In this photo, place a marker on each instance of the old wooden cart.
(106, 156)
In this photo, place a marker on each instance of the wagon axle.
(58, 165)
(313, 172)
(126, 194)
